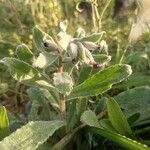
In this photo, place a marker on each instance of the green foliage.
(3, 87)
(24, 72)
(90, 119)
(117, 118)
(135, 101)
(24, 53)
(4, 123)
(31, 135)
(63, 82)
(102, 81)
(67, 76)
(36, 95)
(120, 140)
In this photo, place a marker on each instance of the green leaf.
(30, 136)
(84, 73)
(24, 53)
(4, 123)
(20, 70)
(36, 94)
(101, 81)
(92, 38)
(89, 118)
(39, 37)
(72, 116)
(102, 58)
(63, 82)
(45, 59)
(135, 80)
(3, 87)
(25, 73)
(117, 118)
(53, 98)
(120, 140)
(135, 101)
(106, 124)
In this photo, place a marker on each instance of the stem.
(94, 19)
(102, 14)
(62, 107)
(66, 139)
(62, 96)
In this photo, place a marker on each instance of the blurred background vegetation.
(18, 17)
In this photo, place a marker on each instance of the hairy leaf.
(101, 81)
(24, 53)
(30, 136)
(36, 94)
(45, 59)
(24, 72)
(92, 38)
(134, 101)
(63, 82)
(89, 117)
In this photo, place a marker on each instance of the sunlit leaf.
(24, 53)
(117, 118)
(63, 82)
(101, 81)
(30, 136)
(135, 101)
(89, 118)
(4, 123)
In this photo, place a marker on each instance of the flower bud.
(81, 53)
(50, 45)
(91, 46)
(73, 51)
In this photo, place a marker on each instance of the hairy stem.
(62, 96)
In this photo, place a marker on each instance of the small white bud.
(91, 46)
(50, 45)
(73, 51)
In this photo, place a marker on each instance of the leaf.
(101, 81)
(117, 118)
(135, 80)
(30, 136)
(25, 73)
(63, 82)
(120, 140)
(20, 70)
(135, 101)
(102, 58)
(45, 59)
(53, 97)
(39, 37)
(106, 124)
(84, 74)
(3, 87)
(89, 118)
(92, 38)
(24, 53)
(72, 116)
(4, 123)
(64, 39)
(63, 25)
(36, 94)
